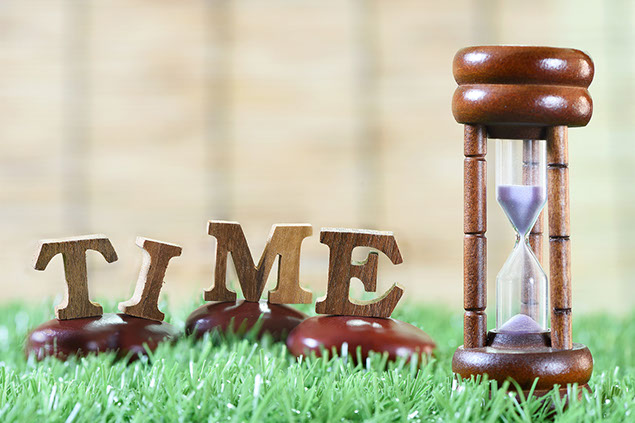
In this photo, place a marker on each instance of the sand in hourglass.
(522, 204)
(520, 323)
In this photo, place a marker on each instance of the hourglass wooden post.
(475, 243)
(525, 94)
(559, 241)
(529, 173)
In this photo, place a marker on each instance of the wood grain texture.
(76, 303)
(474, 272)
(145, 299)
(542, 105)
(558, 192)
(561, 339)
(341, 244)
(560, 265)
(522, 65)
(536, 238)
(474, 241)
(474, 329)
(559, 242)
(475, 198)
(524, 363)
(519, 91)
(284, 241)
(475, 141)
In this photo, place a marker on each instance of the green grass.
(247, 381)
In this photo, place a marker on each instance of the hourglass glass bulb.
(521, 285)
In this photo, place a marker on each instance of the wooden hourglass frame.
(521, 93)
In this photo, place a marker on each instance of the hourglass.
(525, 98)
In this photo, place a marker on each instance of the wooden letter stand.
(358, 324)
(226, 313)
(80, 327)
(521, 93)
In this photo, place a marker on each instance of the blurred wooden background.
(148, 117)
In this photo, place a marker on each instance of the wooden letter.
(76, 303)
(284, 241)
(145, 300)
(341, 243)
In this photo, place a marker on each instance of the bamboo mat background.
(149, 117)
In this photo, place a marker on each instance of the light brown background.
(146, 117)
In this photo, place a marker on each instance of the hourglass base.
(524, 357)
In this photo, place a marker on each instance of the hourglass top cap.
(522, 65)
(522, 85)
